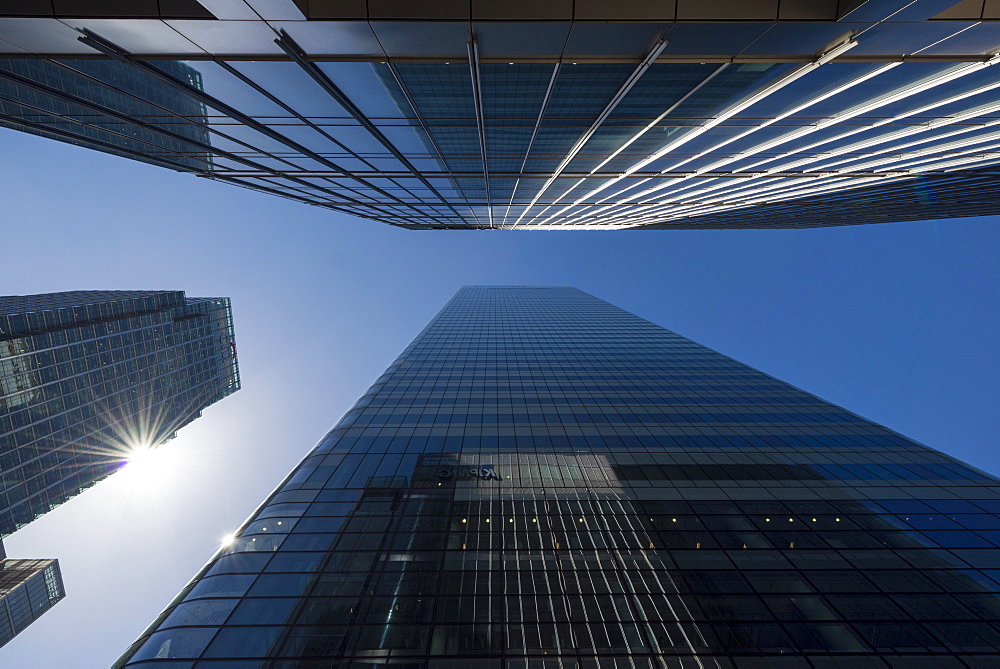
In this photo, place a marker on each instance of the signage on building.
(483, 473)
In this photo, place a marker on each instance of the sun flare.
(145, 468)
(138, 454)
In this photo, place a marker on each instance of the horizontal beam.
(576, 175)
(567, 60)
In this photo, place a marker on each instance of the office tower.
(565, 114)
(87, 377)
(542, 479)
(28, 588)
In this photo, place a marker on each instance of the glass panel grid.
(543, 479)
(690, 145)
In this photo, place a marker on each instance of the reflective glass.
(543, 476)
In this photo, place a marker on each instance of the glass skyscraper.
(28, 588)
(88, 376)
(565, 114)
(543, 480)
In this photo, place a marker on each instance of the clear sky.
(896, 322)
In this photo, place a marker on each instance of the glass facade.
(599, 116)
(28, 588)
(136, 118)
(542, 480)
(88, 376)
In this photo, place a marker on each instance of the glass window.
(177, 643)
(200, 612)
(243, 642)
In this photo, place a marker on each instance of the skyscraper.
(542, 479)
(86, 377)
(28, 588)
(563, 114)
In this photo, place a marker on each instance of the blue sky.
(896, 322)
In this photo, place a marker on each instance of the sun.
(138, 454)
(145, 468)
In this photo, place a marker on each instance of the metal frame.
(923, 86)
(774, 165)
(531, 142)
(477, 96)
(294, 52)
(427, 133)
(648, 127)
(633, 78)
(250, 82)
(109, 48)
(138, 155)
(726, 114)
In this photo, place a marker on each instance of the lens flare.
(138, 454)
